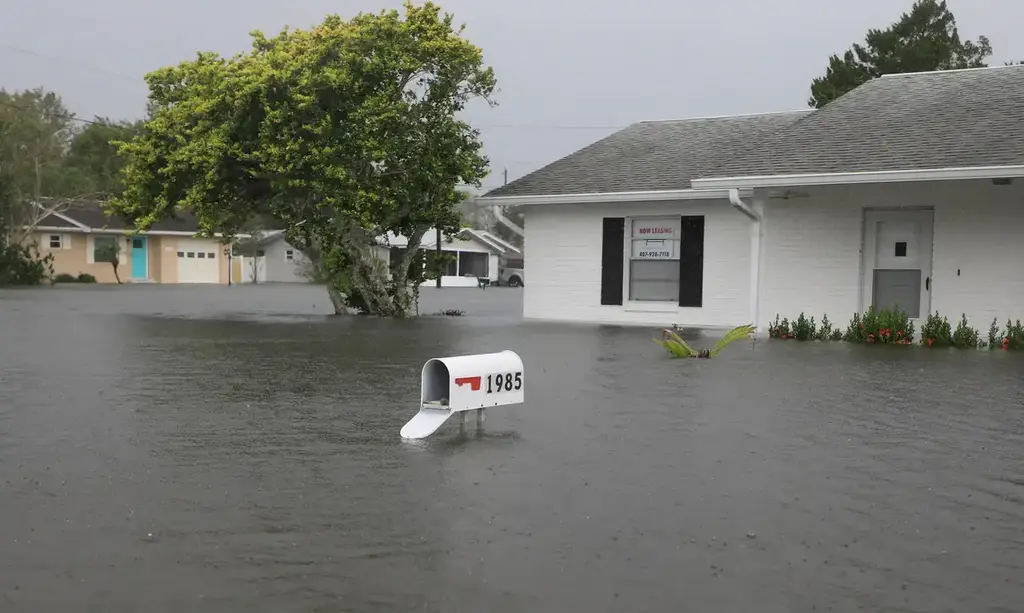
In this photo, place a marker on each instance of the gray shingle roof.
(950, 119)
(650, 155)
(92, 215)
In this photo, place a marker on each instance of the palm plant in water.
(678, 348)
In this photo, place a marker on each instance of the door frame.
(924, 215)
(145, 249)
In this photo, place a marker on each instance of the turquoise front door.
(140, 261)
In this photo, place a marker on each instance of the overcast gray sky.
(570, 71)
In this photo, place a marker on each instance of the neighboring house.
(168, 253)
(276, 261)
(475, 254)
(907, 191)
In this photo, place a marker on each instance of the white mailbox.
(465, 383)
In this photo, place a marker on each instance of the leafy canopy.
(347, 117)
(923, 40)
(48, 161)
(341, 133)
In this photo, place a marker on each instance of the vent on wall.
(1002, 181)
(786, 194)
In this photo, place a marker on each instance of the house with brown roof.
(169, 252)
(906, 192)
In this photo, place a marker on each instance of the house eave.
(849, 178)
(607, 197)
(126, 232)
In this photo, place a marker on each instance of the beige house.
(170, 252)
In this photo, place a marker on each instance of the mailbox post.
(465, 383)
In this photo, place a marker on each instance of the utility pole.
(440, 269)
(506, 176)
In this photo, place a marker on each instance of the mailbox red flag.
(474, 382)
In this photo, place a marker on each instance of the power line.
(69, 117)
(136, 80)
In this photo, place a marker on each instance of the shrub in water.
(779, 329)
(22, 265)
(994, 338)
(966, 337)
(887, 327)
(936, 332)
(1013, 336)
(803, 328)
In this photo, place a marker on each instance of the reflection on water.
(209, 449)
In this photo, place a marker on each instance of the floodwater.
(236, 450)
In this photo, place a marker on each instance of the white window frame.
(65, 241)
(660, 306)
(289, 255)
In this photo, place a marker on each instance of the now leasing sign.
(655, 239)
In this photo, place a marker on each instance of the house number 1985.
(504, 382)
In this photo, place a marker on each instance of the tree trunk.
(337, 300)
(116, 276)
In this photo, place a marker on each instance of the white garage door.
(198, 261)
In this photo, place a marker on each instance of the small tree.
(923, 40)
(110, 253)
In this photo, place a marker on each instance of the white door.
(898, 261)
(198, 261)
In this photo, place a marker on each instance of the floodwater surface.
(237, 450)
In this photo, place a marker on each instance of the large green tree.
(924, 39)
(36, 130)
(342, 133)
(92, 161)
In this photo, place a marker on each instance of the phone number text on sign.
(504, 382)
(655, 254)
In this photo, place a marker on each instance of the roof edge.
(737, 116)
(846, 178)
(937, 72)
(606, 197)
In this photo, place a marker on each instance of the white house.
(907, 191)
(275, 261)
(475, 255)
(616, 234)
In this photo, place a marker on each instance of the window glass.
(104, 248)
(472, 264)
(654, 259)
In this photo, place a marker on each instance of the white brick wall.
(812, 249)
(563, 267)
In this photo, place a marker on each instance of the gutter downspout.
(756, 214)
(505, 221)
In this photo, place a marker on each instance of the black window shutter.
(691, 261)
(612, 254)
